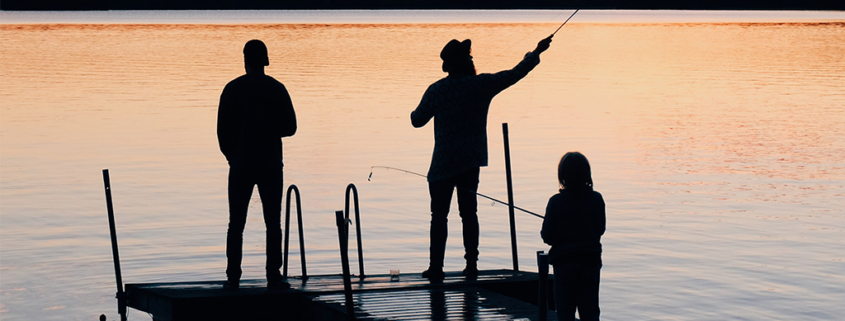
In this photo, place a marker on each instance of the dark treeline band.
(421, 4)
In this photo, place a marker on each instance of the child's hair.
(573, 173)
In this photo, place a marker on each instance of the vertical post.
(121, 296)
(543, 298)
(301, 236)
(510, 196)
(343, 237)
(286, 236)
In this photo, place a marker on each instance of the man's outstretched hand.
(543, 44)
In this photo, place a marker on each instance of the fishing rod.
(580, 4)
(476, 193)
(567, 20)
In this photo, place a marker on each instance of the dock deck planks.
(470, 303)
(493, 295)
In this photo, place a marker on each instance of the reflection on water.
(718, 147)
(435, 305)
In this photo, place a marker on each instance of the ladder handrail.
(294, 190)
(351, 187)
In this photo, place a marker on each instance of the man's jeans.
(441, 199)
(577, 285)
(270, 183)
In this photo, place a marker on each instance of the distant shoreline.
(81, 5)
(251, 17)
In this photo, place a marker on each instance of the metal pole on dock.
(543, 299)
(294, 190)
(343, 238)
(301, 236)
(510, 196)
(354, 190)
(121, 295)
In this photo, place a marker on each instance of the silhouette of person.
(575, 221)
(459, 104)
(255, 112)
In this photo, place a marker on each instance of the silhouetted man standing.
(255, 113)
(459, 104)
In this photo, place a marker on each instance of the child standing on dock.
(575, 221)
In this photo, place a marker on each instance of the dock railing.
(294, 190)
(354, 192)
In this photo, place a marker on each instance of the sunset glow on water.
(718, 147)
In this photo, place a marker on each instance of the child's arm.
(602, 219)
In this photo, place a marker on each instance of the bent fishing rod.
(476, 193)
(567, 20)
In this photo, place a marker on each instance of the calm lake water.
(717, 140)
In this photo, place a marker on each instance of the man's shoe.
(434, 274)
(280, 284)
(470, 272)
(231, 285)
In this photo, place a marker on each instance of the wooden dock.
(493, 295)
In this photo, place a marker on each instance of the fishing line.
(476, 193)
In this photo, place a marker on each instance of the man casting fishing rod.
(459, 104)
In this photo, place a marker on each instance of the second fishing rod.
(510, 202)
(476, 193)
(507, 174)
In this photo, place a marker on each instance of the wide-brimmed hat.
(255, 53)
(455, 51)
